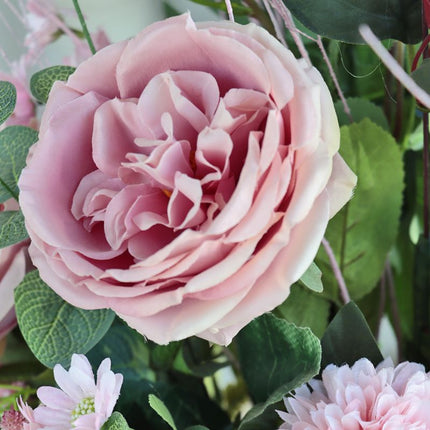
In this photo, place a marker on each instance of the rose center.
(85, 407)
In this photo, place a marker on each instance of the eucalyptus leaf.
(116, 422)
(12, 228)
(41, 82)
(363, 232)
(7, 100)
(52, 328)
(340, 19)
(348, 338)
(312, 278)
(15, 141)
(161, 410)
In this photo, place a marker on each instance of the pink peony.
(80, 402)
(14, 265)
(362, 397)
(192, 173)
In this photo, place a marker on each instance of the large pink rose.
(184, 179)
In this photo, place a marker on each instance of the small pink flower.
(80, 402)
(12, 420)
(362, 397)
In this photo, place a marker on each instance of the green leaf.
(360, 109)
(15, 141)
(52, 328)
(12, 228)
(305, 308)
(422, 75)
(363, 232)
(41, 82)
(275, 357)
(116, 422)
(340, 19)
(312, 278)
(348, 338)
(7, 100)
(161, 410)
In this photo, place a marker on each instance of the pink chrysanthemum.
(362, 397)
(80, 402)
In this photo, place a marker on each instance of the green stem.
(84, 26)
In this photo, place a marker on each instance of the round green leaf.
(12, 228)
(116, 422)
(41, 82)
(52, 328)
(15, 141)
(7, 100)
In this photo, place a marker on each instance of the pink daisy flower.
(80, 402)
(362, 397)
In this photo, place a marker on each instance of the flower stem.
(337, 272)
(84, 26)
(229, 10)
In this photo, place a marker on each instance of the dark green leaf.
(340, 19)
(127, 349)
(262, 416)
(348, 338)
(421, 292)
(190, 406)
(116, 422)
(163, 356)
(161, 410)
(15, 141)
(361, 109)
(422, 75)
(305, 308)
(12, 228)
(198, 358)
(312, 278)
(363, 232)
(52, 328)
(7, 100)
(287, 355)
(275, 357)
(197, 428)
(41, 82)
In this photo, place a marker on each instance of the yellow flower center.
(85, 407)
